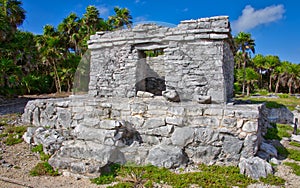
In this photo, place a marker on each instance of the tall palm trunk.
(56, 78)
(277, 85)
(270, 82)
(244, 73)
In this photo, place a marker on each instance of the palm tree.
(69, 29)
(121, 18)
(245, 44)
(51, 51)
(259, 64)
(271, 62)
(12, 15)
(294, 77)
(280, 75)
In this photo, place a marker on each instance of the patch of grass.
(290, 102)
(11, 134)
(209, 176)
(107, 177)
(283, 95)
(294, 154)
(294, 166)
(273, 180)
(39, 149)
(263, 92)
(43, 169)
(282, 151)
(296, 144)
(278, 131)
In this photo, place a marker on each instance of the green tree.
(271, 62)
(12, 15)
(259, 64)
(294, 77)
(245, 44)
(121, 18)
(251, 78)
(51, 52)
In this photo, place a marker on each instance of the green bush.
(42, 169)
(39, 149)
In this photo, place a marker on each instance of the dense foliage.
(263, 73)
(47, 63)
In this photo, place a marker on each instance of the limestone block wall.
(197, 59)
(85, 134)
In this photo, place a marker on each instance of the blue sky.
(274, 24)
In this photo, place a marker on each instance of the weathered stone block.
(178, 121)
(154, 123)
(183, 136)
(166, 156)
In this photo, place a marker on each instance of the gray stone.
(232, 145)
(154, 123)
(183, 136)
(206, 135)
(29, 134)
(202, 99)
(250, 126)
(171, 96)
(255, 167)
(144, 94)
(178, 121)
(167, 156)
(295, 138)
(269, 149)
(203, 154)
(250, 146)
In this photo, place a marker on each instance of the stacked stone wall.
(197, 59)
(90, 133)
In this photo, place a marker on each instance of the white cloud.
(185, 10)
(252, 18)
(140, 18)
(137, 1)
(103, 10)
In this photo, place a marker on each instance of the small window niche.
(150, 71)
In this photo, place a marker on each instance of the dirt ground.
(16, 161)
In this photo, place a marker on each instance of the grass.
(208, 176)
(294, 166)
(294, 154)
(39, 149)
(43, 169)
(278, 131)
(284, 100)
(12, 134)
(296, 144)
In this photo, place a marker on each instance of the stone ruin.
(157, 95)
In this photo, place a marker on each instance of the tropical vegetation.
(46, 63)
(262, 73)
